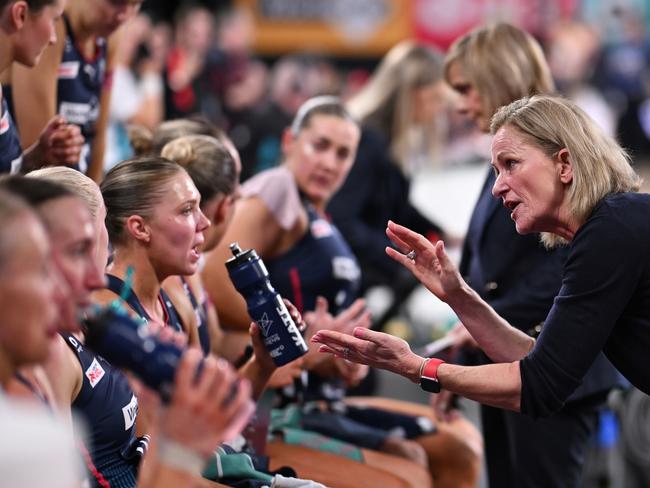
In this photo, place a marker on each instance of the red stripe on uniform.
(297, 291)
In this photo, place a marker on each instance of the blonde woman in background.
(399, 113)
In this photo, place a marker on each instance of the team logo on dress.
(4, 123)
(68, 70)
(95, 373)
(321, 228)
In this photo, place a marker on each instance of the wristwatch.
(429, 375)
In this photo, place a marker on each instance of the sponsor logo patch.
(78, 113)
(130, 412)
(95, 373)
(345, 268)
(68, 70)
(4, 123)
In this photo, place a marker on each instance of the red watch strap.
(430, 369)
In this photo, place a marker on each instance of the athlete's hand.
(208, 408)
(356, 315)
(60, 143)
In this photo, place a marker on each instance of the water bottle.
(282, 338)
(126, 343)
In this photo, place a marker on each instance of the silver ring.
(346, 352)
(411, 255)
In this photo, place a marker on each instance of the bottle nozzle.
(235, 249)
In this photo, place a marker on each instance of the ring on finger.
(411, 254)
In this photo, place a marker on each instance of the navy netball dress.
(109, 408)
(321, 263)
(79, 87)
(171, 318)
(11, 153)
(201, 314)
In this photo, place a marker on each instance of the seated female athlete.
(281, 215)
(81, 380)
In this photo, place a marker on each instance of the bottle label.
(281, 308)
(281, 337)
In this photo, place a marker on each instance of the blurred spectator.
(193, 36)
(399, 110)
(294, 79)
(622, 74)
(73, 78)
(572, 48)
(138, 80)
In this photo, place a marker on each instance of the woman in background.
(399, 113)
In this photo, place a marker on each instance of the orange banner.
(337, 27)
(356, 28)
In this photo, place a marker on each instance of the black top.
(603, 304)
(375, 191)
(519, 278)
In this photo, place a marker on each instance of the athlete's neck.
(146, 284)
(6, 51)
(82, 27)
(7, 369)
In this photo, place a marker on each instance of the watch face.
(429, 384)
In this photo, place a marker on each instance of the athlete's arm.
(96, 165)
(35, 90)
(64, 372)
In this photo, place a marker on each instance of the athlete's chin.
(189, 268)
(29, 61)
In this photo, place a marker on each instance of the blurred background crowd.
(247, 66)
